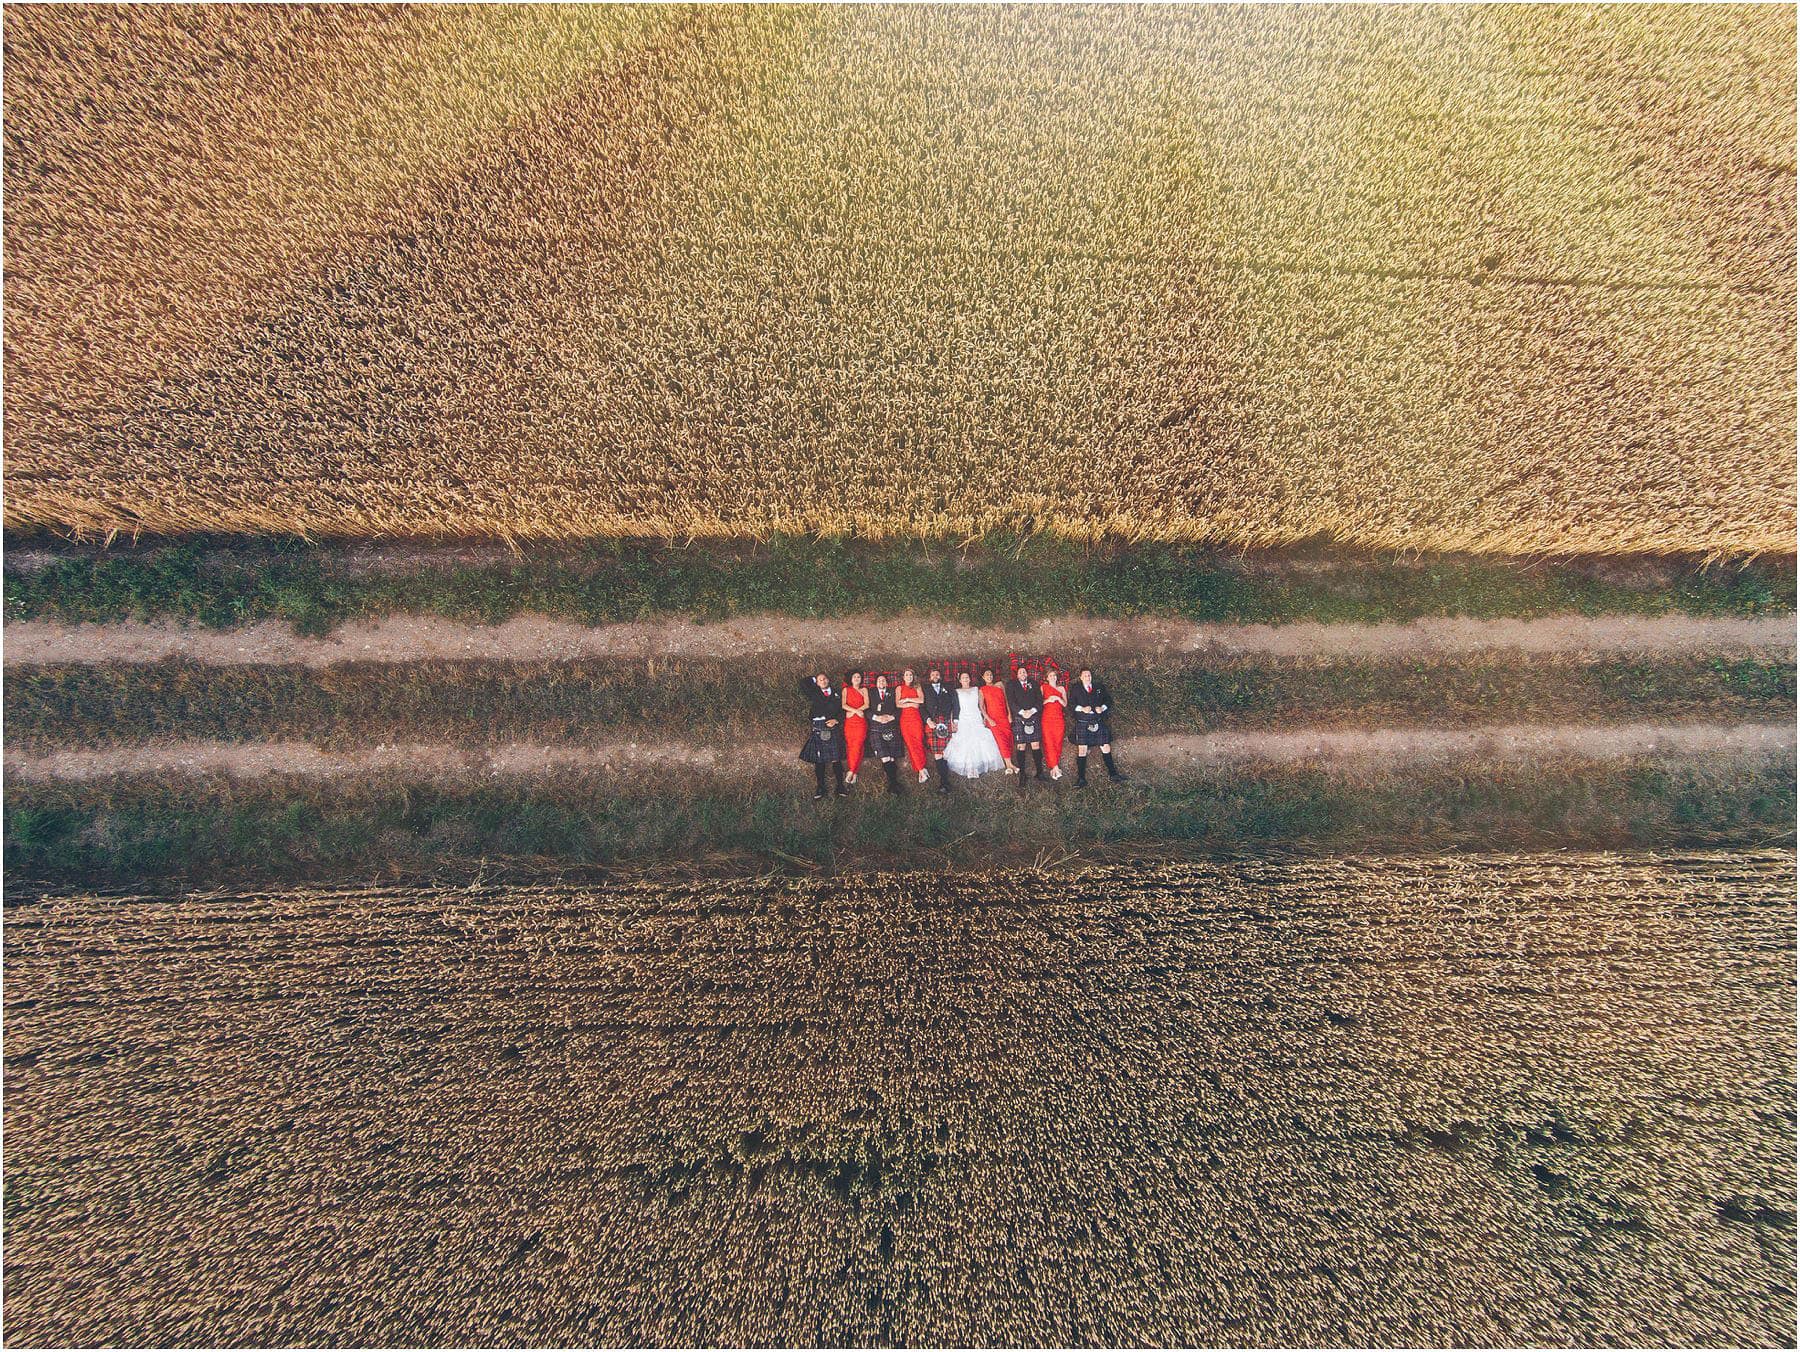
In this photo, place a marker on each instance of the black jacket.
(941, 705)
(826, 703)
(1026, 699)
(1098, 699)
(882, 702)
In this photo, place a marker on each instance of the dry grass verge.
(1009, 583)
(728, 704)
(211, 828)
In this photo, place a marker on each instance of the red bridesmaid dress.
(1056, 699)
(856, 727)
(912, 725)
(993, 703)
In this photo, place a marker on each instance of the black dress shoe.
(943, 788)
(842, 792)
(819, 796)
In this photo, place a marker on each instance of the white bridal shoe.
(924, 775)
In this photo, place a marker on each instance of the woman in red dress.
(856, 725)
(998, 717)
(1056, 701)
(912, 723)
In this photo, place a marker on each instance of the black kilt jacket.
(1094, 727)
(1025, 702)
(824, 743)
(884, 738)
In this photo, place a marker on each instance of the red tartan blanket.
(952, 667)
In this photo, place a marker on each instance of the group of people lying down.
(965, 729)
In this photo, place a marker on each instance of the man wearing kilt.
(1090, 720)
(1025, 702)
(885, 740)
(825, 742)
(940, 722)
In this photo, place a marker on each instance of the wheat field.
(1488, 278)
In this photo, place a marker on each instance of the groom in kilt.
(1090, 722)
(885, 741)
(940, 722)
(825, 741)
(1025, 703)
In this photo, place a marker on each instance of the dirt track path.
(535, 638)
(252, 760)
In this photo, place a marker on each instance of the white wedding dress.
(972, 750)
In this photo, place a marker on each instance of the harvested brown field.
(1503, 279)
(1490, 1099)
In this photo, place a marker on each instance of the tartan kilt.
(937, 737)
(1089, 730)
(1025, 731)
(823, 745)
(885, 740)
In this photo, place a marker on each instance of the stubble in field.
(1493, 1099)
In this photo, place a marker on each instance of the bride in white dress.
(971, 751)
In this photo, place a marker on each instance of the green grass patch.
(717, 702)
(223, 583)
(154, 833)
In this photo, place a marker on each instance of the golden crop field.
(1490, 1100)
(1492, 278)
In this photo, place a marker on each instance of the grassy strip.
(700, 699)
(223, 584)
(151, 833)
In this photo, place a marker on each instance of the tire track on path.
(1158, 755)
(536, 638)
